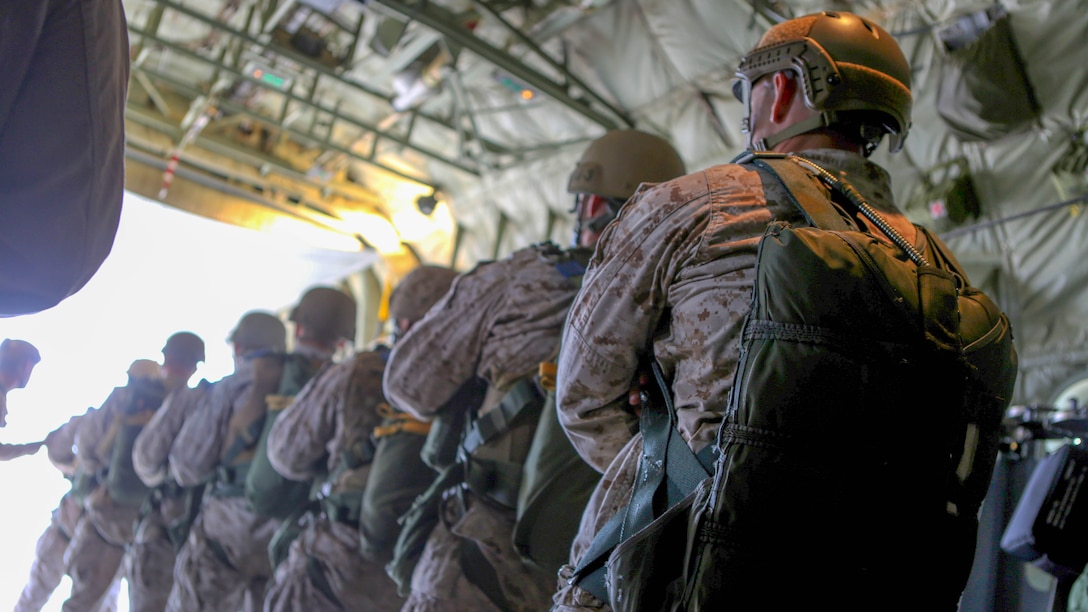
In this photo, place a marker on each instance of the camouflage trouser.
(47, 569)
(439, 582)
(325, 571)
(93, 564)
(150, 566)
(224, 564)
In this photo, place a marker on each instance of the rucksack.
(269, 493)
(824, 488)
(547, 490)
(145, 398)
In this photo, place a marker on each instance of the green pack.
(416, 527)
(123, 483)
(269, 493)
(818, 479)
(397, 477)
(555, 487)
(439, 453)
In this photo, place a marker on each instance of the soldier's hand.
(636, 397)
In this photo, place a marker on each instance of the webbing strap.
(666, 459)
(480, 573)
(801, 186)
(522, 395)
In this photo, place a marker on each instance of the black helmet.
(849, 68)
(326, 313)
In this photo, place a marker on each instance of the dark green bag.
(847, 337)
(397, 477)
(556, 484)
(289, 530)
(269, 493)
(123, 483)
(178, 532)
(448, 426)
(416, 527)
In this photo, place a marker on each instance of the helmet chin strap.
(811, 124)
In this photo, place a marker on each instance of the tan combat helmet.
(849, 68)
(418, 291)
(259, 330)
(185, 346)
(614, 164)
(326, 314)
(611, 169)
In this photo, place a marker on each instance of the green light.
(273, 80)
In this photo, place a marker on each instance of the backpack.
(556, 485)
(821, 490)
(269, 493)
(124, 485)
(547, 490)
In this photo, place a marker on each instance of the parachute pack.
(547, 487)
(826, 485)
(269, 493)
(125, 486)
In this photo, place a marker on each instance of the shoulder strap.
(804, 194)
(522, 395)
(666, 460)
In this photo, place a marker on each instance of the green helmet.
(418, 291)
(260, 330)
(186, 346)
(849, 68)
(614, 164)
(326, 313)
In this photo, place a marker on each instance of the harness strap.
(480, 573)
(666, 460)
(397, 422)
(487, 427)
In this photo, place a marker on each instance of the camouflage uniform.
(226, 554)
(107, 527)
(498, 322)
(150, 559)
(48, 567)
(225, 562)
(325, 569)
(683, 251)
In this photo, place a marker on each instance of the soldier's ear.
(785, 96)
